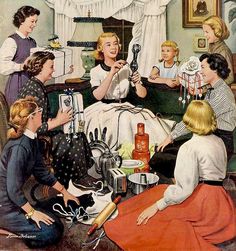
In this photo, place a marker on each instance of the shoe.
(87, 182)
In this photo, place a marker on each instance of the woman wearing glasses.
(71, 160)
(20, 159)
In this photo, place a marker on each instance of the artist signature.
(21, 236)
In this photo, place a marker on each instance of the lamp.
(87, 31)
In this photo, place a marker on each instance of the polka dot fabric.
(71, 160)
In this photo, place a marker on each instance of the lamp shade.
(87, 31)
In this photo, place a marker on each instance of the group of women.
(196, 208)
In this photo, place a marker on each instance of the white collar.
(21, 34)
(30, 134)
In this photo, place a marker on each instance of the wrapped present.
(62, 62)
(191, 80)
(73, 100)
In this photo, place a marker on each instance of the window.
(123, 29)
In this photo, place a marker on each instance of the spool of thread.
(104, 215)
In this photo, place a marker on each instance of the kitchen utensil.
(130, 166)
(139, 182)
(107, 161)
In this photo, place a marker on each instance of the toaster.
(116, 180)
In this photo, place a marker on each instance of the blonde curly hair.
(98, 54)
(218, 26)
(174, 45)
(200, 118)
(19, 113)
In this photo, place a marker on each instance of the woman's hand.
(136, 78)
(117, 66)
(166, 142)
(40, 216)
(171, 82)
(68, 196)
(153, 76)
(147, 214)
(64, 117)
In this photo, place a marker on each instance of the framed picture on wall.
(195, 11)
(200, 43)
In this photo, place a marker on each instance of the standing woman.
(216, 31)
(71, 160)
(16, 49)
(20, 159)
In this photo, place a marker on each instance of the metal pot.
(108, 160)
(141, 181)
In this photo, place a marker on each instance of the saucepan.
(141, 181)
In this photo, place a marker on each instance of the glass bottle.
(141, 150)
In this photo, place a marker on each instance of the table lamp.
(87, 31)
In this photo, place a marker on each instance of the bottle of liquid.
(141, 150)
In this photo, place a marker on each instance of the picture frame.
(195, 11)
(200, 43)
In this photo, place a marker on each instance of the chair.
(4, 117)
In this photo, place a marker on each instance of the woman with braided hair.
(20, 159)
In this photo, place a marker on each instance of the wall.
(41, 32)
(175, 31)
(184, 36)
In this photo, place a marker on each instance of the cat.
(101, 201)
(57, 206)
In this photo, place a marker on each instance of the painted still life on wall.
(195, 11)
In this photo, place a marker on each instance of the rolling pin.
(104, 215)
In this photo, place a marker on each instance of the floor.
(77, 234)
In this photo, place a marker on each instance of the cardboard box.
(62, 62)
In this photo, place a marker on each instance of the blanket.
(121, 121)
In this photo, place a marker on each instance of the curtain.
(149, 17)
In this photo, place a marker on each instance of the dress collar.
(105, 67)
(218, 83)
(30, 134)
(21, 34)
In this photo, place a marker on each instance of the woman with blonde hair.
(112, 81)
(165, 72)
(20, 159)
(196, 208)
(216, 31)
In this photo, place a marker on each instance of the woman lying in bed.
(111, 85)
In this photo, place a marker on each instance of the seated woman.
(110, 83)
(214, 69)
(20, 159)
(71, 159)
(193, 214)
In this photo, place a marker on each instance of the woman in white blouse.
(15, 51)
(194, 213)
(110, 85)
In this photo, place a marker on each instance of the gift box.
(75, 102)
(62, 62)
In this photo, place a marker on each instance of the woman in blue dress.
(20, 159)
